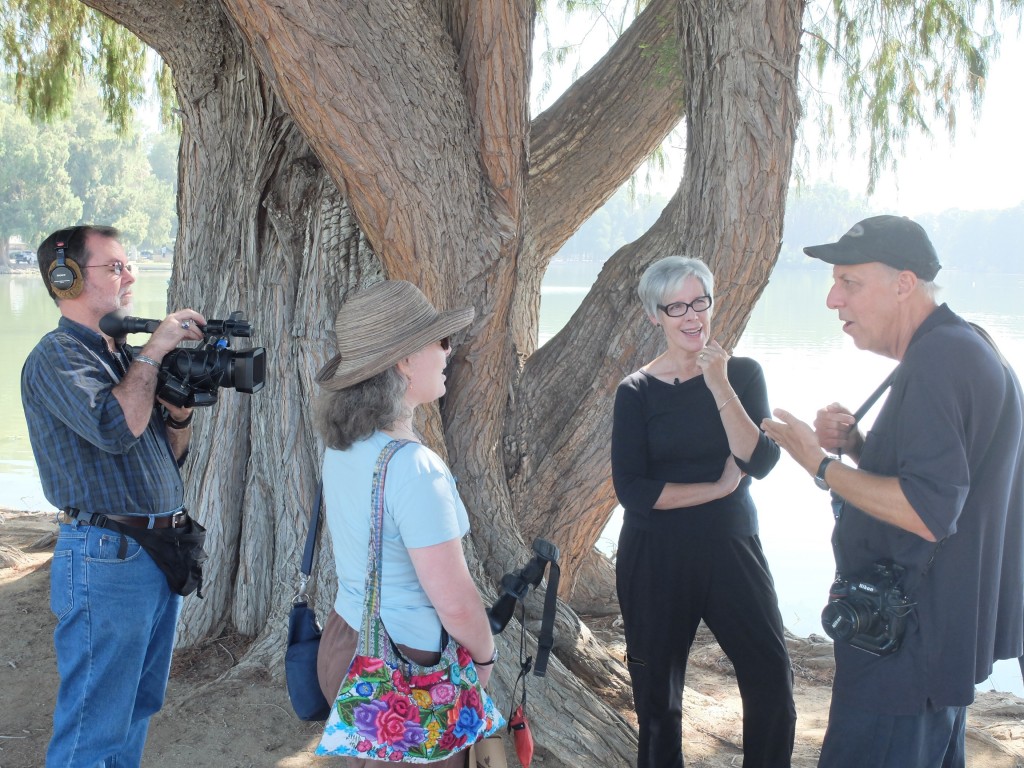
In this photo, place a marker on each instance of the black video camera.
(190, 376)
(869, 613)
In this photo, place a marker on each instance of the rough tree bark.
(411, 118)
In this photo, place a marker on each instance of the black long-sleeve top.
(664, 433)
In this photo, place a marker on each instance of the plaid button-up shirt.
(87, 457)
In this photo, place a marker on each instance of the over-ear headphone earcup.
(65, 276)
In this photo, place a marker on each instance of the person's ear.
(906, 282)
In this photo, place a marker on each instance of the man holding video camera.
(936, 499)
(109, 456)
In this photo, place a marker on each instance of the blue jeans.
(115, 632)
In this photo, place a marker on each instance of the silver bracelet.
(727, 402)
(146, 360)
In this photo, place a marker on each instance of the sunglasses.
(446, 343)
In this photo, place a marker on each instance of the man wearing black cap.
(936, 494)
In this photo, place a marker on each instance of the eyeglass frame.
(688, 306)
(118, 267)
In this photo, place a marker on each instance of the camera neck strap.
(838, 501)
(546, 638)
(879, 391)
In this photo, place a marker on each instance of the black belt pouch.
(178, 552)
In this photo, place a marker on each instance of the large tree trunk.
(328, 144)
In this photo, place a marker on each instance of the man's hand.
(879, 496)
(177, 327)
(837, 430)
(136, 390)
(178, 413)
(796, 438)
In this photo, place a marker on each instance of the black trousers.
(665, 587)
(860, 737)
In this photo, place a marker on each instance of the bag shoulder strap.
(306, 567)
(314, 524)
(372, 635)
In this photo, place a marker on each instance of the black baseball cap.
(893, 240)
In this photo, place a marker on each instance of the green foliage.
(163, 158)
(899, 66)
(35, 194)
(82, 170)
(52, 47)
(888, 69)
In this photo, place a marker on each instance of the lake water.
(26, 313)
(807, 360)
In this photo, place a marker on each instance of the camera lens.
(844, 619)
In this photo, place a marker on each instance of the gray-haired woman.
(685, 443)
(393, 346)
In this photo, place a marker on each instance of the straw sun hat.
(378, 326)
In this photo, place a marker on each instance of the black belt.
(133, 521)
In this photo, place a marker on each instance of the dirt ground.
(246, 721)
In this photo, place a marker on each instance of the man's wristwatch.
(819, 477)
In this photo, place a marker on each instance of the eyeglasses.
(117, 266)
(680, 308)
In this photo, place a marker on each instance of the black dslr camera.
(869, 613)
(190, 376)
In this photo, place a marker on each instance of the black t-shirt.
(951, 431)
(665, 433)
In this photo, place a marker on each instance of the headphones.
(65, 275)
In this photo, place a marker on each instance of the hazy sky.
(983, 168)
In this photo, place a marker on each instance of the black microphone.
(117, 326)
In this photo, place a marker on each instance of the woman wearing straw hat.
(393, 346)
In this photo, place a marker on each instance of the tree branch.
(590, 141)
(188, 35)
(494, 58)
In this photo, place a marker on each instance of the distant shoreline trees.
(983, 240)
(79, 169)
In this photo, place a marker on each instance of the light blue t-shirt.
(421, 508)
